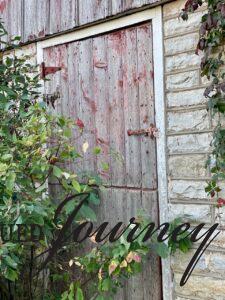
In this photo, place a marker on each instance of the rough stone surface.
(177, 26)
(179, 189)
(186, 98)
(193, 213)
(187, 153)
(188, 120)
(176, 44)
(187, 166)
(182, 80)
(189, 143)
(207, 288)
(182, 61)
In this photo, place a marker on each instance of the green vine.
(210, 44)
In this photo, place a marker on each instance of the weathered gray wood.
(117, 6)
(30, 20)
(33, 19)
(107, 82)
(151, 279)
(86, 11)
(55, 16)
(146, 96)
(131, 108)
(68, 14)
(116, 116)
(87, 101)
(102, 103)
(74, 96)
(12, 16)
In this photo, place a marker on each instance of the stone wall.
(189, 132)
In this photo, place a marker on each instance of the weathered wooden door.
(107, 82)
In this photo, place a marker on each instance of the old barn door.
(107, 82)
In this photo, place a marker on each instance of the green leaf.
(105, 166)
(100, 297)
(79, 294)
(106, 283)
(37, 219)
(88, 213)
(94, 198)
(10, 181)
(10, 262)
(57, 172)
(68, 132)
(6, 157)
(161, 249)
(76, 186)
(97, 150)
(3, 167)
(11, 274)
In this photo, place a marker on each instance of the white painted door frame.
(155, 16)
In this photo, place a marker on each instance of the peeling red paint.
(117, 41)
(145, 27)
(120, 83)
(41, 33)
(102, 141)
(3, 5)
(31, 37)
(91, 102)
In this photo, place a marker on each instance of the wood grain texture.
(35, 19)
(107, 82)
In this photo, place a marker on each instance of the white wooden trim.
(155, 15)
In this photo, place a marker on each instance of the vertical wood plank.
(52, 57)
(68, 14)
(87, 101)
(30, 20)
(131, 108)
(15, 18)
(86, 11)
(117, 6)
(116, 117)
(146, 96)
(129, 4)
(42, 17)
(100, 62)
(55, 16)
(151, 277)
(34, 18)
(101, 9)
(74, 97)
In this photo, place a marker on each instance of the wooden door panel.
(107, 82)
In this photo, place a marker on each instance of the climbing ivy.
(210, 46)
